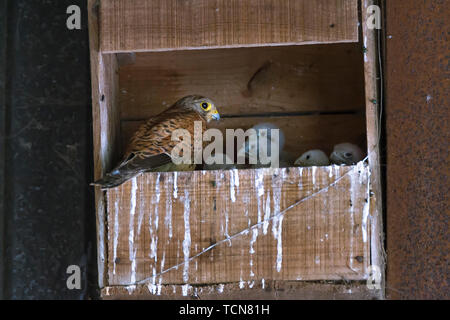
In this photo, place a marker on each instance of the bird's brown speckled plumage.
(151, 146)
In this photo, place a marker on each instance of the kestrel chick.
(151, 146)
(254, 146)
(312, 158)
(346, 153)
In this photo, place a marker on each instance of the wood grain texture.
(250, 290)
(373, 104)
(246, 80)
(302, 133)
(159, 225)
(149, 25)
(106, 128)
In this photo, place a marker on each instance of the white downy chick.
(346, 153)
(312, 158)
(254, 144)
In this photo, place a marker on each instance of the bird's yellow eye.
(206, 106)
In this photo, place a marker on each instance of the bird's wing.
(151, 146)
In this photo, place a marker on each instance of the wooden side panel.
(246, 80)
(209, 227)
(373, 110)
(106, 124)
(302, 133)
(146, 25)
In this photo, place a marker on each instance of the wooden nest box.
(307, 66)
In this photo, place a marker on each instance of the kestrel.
(312, 158)
(346, 153)
(151, 146)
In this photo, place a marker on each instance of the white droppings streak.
(175, 185)
(132, 250)
(353, 182)
(241, 284)
(220, 288)
(259, 183)
(263, 283)
(187, 235)
(330, 172)
(314, 169)
(267, 214)
(151, 288)
(280, 244)
(277, 224)
(116, 230)
(184, 289)
(300, 175)
(130, 289)
(366, 208)
(141, 206)
(234, 184)
(365, 46)
(168, 217)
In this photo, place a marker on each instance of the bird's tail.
(111, 180)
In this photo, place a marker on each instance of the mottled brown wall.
(417, 114)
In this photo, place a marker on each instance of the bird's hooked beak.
(215, 115)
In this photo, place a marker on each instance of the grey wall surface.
(47, 216)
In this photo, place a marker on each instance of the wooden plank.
(149, 25)
(373, 101)
(302, 133)
(106, 128)
(209, 227)
(251, 290)
(246, 80)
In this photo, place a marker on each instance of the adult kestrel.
(151, 146)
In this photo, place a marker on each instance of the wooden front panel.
(239, 226)
(149, 25)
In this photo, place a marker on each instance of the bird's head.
(312, 158)
(204, 106)
(346, 153)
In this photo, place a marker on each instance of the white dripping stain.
(130, 289)
(365, 51)
(153, 232)
(330, 172)
(314, 170)
(251, 284)
(252, 250)
(317, 260)
(277, 223)
(220, 288)
(234, 184)
(187, 235)
(263, 283)
(300, 175)
(336, 170)
(267, 214)
(241, 284)
(163, 260)
(168, 217)
(116, 229)
(151, 288)
(365, 172)
(141, 206)
(259, 184)
(185, 289)
(353, 183)
(132, 250)
(175, 185)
